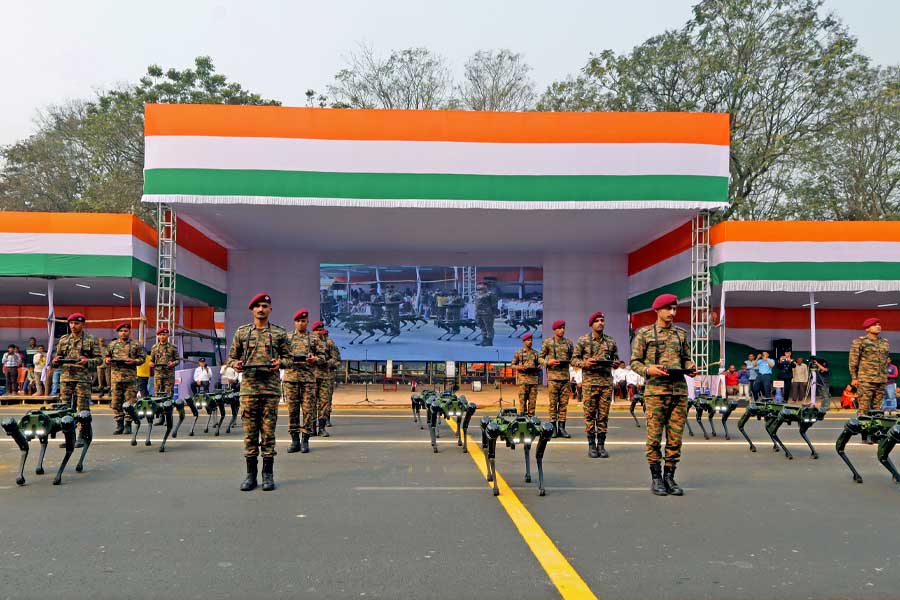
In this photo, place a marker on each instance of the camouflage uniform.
(163, 377)
(124, 379)
(260, 388)
(300, 380)
(334, 363)
(596, 381)
(323, 382)
(392, 301)
(558, 376)
(75, 379)
(666, 400)
(528, 380)
(868, 365)
(485, 312)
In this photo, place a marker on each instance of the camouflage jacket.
(560, 350)
(300, 344)
(322, 367)
(602, 348)
(528, 358)
(868, 359)
(254, 346)
(75, 347)
(666, 347)
(161, 355)
(117, 349)
(334, 356)
(485, 304)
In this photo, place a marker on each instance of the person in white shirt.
(618, 374)
(202, 376)
(40, 361)
(634, 382)
(229, 377)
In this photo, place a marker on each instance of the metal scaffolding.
(165, 268)
(700, 292)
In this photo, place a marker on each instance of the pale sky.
(56, 50)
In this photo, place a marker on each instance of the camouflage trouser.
(316, 406)
(329, 398)
(163, 383)
(123, 390)
(871, 395)
(486, 325)
(559, 399)
(669, 413)
(259, 414)
(528, 393)
(596, 407)
(299, 395)
(80, 389)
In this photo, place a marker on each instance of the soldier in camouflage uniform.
(75, 381)
(868, 368)
(392, 302)
(334, 362)
(256, 344)
(163, 360)
(596, 381)
(655, 349)
(527, 364)
(556, 354)
(485, 313)
(323, 383)
(300, 380)
(123, 355)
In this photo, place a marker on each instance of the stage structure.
(288, 189)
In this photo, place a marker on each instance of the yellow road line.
(563, 575)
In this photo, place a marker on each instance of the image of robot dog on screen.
(417, 312)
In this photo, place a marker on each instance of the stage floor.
(373, 512)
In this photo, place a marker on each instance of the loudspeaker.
(782, 346)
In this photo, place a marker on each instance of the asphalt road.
(372, 512)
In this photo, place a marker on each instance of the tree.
(89, 155)
(414, 78)
(496, 80)
(851, 169)
(778, 67)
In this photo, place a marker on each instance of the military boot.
(120, 427)
(669, 480)
(555, 429)
(322, 431)
(295, 443)
(656, 481)
(592, 445)
(601, 446)
(304, 443)
(249, 482)
(562, 430)
(128, 428)
(268, 476)
(328, 421)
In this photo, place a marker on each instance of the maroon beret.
(76, 317)
(301, 314)
(558, 323)
(260, 297)
(123, 324)
(323, 331)
(527, 336)
(594, 317)
(664, 300)
(871, 321)
(318, 325)
(162, 330)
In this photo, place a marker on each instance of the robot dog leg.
(851, 428)
(885, 446)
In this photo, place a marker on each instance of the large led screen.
(431, 313)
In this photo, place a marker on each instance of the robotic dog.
(45, 423)
(885, 431)
(714, 405)
(515, 429)
(777, 414)
(635, 400)
(448, 405)
(147, 409)
(419, 402)
(216, 402)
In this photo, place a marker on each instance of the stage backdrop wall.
(575, 285)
